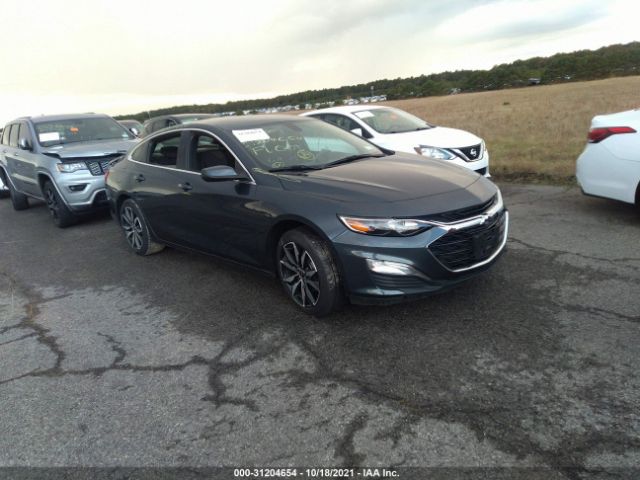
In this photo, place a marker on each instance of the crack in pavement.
(556, 253)
(345, 446)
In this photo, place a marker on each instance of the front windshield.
(391, 120)
(60, 132)
(302, 144)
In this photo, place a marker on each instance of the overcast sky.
(124, 56)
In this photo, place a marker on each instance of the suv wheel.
(135, 229)
(60, 213)
(18, 200)
(308, 272)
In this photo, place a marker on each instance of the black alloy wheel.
(300, 275)
(308, 272)
(60, 213)
(136, 231)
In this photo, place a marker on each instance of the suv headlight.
(385, 226)
(434, 152)
(71, 167)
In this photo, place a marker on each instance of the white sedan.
(609, 166)
(400, 131)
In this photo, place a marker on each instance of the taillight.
(598, 134)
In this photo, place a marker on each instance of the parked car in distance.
(331, 215)
(61, 159)
(609, 166)
(134, 126)
(401, 131)
(158, 123)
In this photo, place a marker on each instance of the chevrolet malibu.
(332, 216)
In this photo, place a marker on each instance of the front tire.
(136, 230)
(308, 272)
(60, 213)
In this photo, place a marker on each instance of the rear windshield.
(60, 132)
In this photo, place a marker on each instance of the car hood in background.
(103, 148)
(391, 180)
(442, 137)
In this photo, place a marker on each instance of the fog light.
(77, 188)
(390, 268)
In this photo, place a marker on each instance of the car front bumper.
(82, 191)
(394, 269)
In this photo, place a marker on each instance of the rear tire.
(308, 272)
(60, 214)
(18, 200)
(135, 229)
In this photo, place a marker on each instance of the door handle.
(139, 178)
(186, 186)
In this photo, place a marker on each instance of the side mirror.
(220, 173)
(24, 144)
(357, 131)
(135, 131)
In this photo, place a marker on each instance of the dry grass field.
(535, 133)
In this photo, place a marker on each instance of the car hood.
(442, 137)
(104, 148)
(391, 180)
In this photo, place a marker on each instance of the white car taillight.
(598, 134)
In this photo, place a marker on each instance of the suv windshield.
(391, 120)
(303, 145)
(59, 132)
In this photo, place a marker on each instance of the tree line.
(610, 61)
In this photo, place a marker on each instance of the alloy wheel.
(299, 275)
(132, 226)
(52, 203)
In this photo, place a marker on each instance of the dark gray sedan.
(333, 216)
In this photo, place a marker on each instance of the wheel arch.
(119, 201)
(284, 224)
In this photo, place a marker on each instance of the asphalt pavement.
(180, 360)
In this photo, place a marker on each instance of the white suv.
(400, 131)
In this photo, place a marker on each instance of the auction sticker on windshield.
(49, 137)
(251, 135)
(364, 114)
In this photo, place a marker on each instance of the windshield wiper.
(351, 158)
(294, 168)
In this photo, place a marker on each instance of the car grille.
(469, 246)
(396, 282)
(460, 214)
(472, 153)
(98, 167)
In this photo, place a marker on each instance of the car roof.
(68, 116)
(347, 108)
(242, 122)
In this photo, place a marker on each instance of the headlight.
(71, 167)
(434, 152)
(385, 226)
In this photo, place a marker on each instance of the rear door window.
(163, 151)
